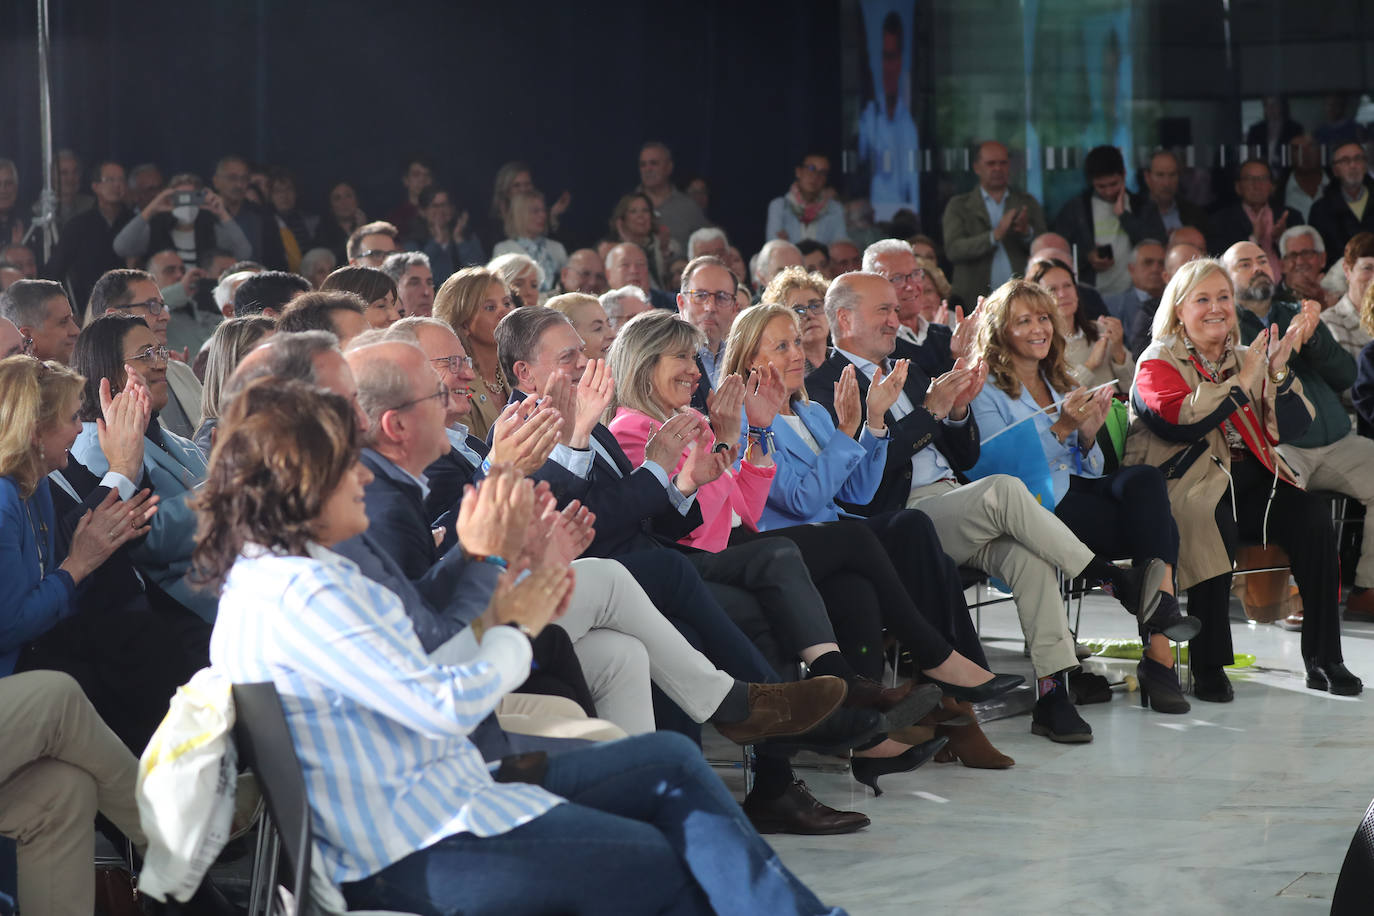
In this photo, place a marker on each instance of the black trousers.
(1124, 514)
(867, 596)
(1300, 523)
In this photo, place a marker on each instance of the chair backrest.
(1355, 887)
(264, 746)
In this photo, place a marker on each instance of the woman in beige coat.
(1208, 413)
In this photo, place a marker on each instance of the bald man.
(584, 273)
(1054, 245)
(988, 231)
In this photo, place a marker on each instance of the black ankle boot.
(1212, 685)
(1335, 677)
(1159, 688)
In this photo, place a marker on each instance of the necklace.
(40, 536)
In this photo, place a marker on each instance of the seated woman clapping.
(406, 814)
(1124, 514)
(1094, 350)
(1208, 412)
(921, 598)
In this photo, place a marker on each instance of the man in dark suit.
(931, 345)
(1163, 210)
(988, 230)
(86, 249)
(1255, 217)
(1344, 209)
(1106, 214)
(993, 523)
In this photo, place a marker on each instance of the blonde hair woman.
(527, 224)
(1209, 412)
(803, 292)
(1124, 514)
(230, 343)
(522, 275)
(588, 320)
(472, 302)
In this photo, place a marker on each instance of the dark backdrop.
(346, 89)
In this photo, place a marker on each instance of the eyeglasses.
(154, 306)
(150, 355)
(916, 276)
(822, 170)
(1348, 160)
(441, 394)
(376, 253)
(452, 362)
(1312, 253)
(811, 307)
(723, 298)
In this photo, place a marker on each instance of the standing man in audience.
(41, 311)
(1343, 208)
(584, 273)
(1103, 221)
(196, 231)
(231, 182)
(189, 327)
(626, 265)
(1343, 318)
(1330, 455)
(414, 281)
(672, 208)
(135, 292)
(1255, 218)
(1304, 260)
(406, 216)
(1146, 268)
(145, 184)
(1308, 180)
(86, 247)
(371, 243)
(988, 231)
(1163, 210)
(805, 212)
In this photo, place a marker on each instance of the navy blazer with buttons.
(917, 430)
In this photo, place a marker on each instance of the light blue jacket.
(30, 604)
(165, 555)
(826, 228)
(806, 484)
(994, 409)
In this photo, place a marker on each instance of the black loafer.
(1335, 678)
(1212, 685)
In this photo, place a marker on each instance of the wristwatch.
(516, 625)
(1279, 377)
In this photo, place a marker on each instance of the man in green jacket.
(1329, 456)
(988, 231)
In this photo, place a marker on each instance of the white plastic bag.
(186, 782)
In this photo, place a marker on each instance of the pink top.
(742, 492)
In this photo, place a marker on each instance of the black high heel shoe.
(1159, 687)
(994, 686)
(1171, 621)
(867, 769)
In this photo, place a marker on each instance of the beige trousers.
(552, 717)
(994, 524)
(59, 765)
(1345, 466)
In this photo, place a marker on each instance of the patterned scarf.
(802, 210)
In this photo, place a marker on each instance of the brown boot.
(786, 710)
(967, 743)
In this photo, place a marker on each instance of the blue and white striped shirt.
(379, 730)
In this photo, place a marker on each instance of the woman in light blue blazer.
(108, 348)
(1124, 514)
(908, 578)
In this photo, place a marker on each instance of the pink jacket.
(742, 492)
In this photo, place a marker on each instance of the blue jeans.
(648, 828)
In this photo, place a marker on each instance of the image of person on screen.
(888, 142)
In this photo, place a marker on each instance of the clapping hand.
(1307, 320)
(124, 422)
(848, 408)
(704, 463)
(105, 529)
(593, 395)
(669, 441)
(524, 435)
(559, 394)
(965, 332)
(494, 515)
(883, 392)
(764, 395)
(724, 406)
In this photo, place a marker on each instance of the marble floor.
(1241, 807)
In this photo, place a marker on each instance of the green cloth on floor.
(1132, 648)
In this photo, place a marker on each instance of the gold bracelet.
(478, 628)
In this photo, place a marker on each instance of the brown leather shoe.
(967, 743)
(866, 693)
(786, 710)
(797, 811)
(1360, 605)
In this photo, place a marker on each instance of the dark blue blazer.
(933, 356)
(917, 430)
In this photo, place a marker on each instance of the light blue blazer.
(30, 604)
(165, 555)
(994, 409)
(807, 483)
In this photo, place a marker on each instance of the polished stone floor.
(1245, 807)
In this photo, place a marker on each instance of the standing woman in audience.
(815, 465)
(374, 287)
(340, 218)
(472, 302)
(109, 348)
(516, 178)
(588, 320)
(803, 292)
(653, 363)
(522, 275)
(1094, 350)
(228, 346)
(1208, 412)
(1124, 514)
(633, 221)
(527, 228)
